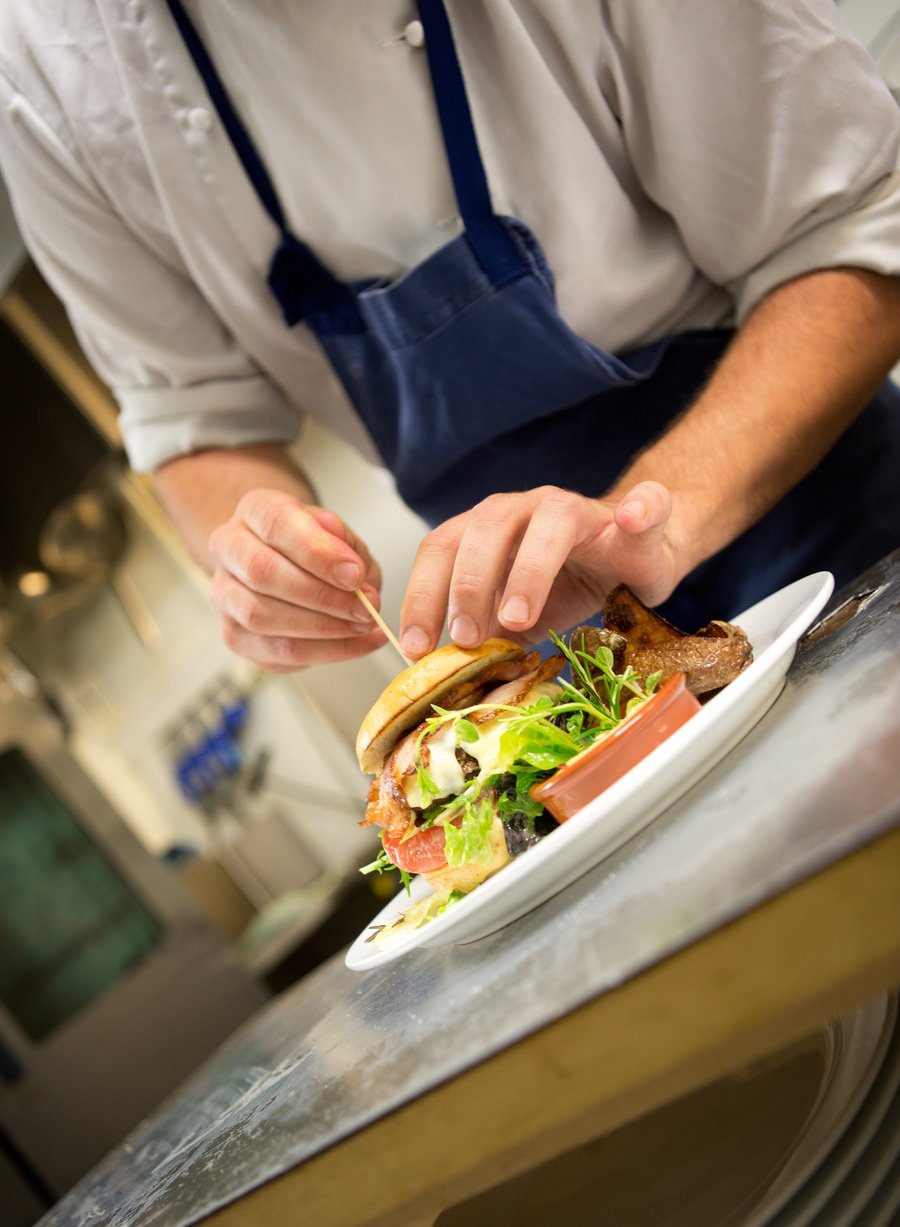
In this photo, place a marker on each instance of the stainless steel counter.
(817, 778)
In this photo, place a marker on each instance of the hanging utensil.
(85, 538)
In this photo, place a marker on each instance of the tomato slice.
(420, 853)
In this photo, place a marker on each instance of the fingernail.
(636, 508)
(464, 631)
(414, 641)
(516, 610)
(346, 574)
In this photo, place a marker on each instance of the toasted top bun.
(407, 700)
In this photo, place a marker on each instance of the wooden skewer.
(373, 612)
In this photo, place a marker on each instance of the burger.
(432, 741)
(461, 741)
(456, 744)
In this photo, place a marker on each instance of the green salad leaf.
(471, 840)
(384, 864)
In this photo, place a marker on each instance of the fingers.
(284, 584)
(645, 509)
(335, 525)
(514, 544)
(266, 571)
(641, 542)
(559, 522)
(522, 562)
(491, 533)
(299, 535)
(282, 654)
(425, 602)
(267, 615)
(458, 570)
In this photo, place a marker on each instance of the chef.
(611, 287)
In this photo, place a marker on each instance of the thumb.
(333, 524)
(645, 509)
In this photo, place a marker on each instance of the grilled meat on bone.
(637, 636)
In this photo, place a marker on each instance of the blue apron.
(470, 382)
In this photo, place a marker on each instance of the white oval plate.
(773, 625)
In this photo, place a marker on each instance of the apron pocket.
(427, 298)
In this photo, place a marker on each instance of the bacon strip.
(512, 693)
(466, 693)
(386, 804)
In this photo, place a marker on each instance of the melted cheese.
(443, 767)
(486, 750)
(443, 770)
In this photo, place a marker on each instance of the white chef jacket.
(675, 160)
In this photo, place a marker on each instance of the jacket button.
(199, 118)
(414, 33)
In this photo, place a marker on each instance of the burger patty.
(470, 766)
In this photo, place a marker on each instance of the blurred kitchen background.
(178, 832)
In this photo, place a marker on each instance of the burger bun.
(408, 700)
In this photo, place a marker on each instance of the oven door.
(112, 987)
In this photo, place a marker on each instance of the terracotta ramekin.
(588, 774)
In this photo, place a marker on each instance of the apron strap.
(489, 238)
(303, 286)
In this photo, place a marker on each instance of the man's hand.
(284, 570)
(284, 582)
(542, 559)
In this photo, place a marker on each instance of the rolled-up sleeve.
(180, 378)
(765, 131)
